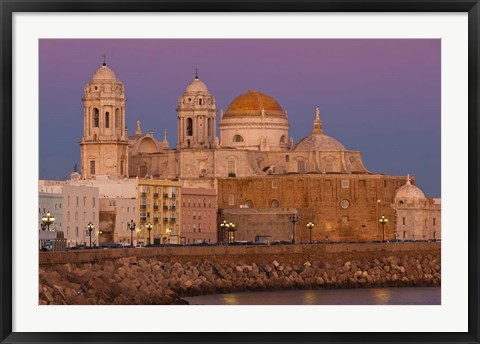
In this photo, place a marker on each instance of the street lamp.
(383, 221)
(228, 229)
(149, 227)
(294, 219)
(47, 220)
(131, 226)
(310, 226)
(90, 228)
(231, 232)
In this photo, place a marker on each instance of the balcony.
(155, 195)
(143, 206)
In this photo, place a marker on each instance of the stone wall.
(162, 276)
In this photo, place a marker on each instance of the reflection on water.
(370, 296)
(382, 296)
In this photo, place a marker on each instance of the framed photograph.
(239, 172)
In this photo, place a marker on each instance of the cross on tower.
(104, 57)
(196, 73)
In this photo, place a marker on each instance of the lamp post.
(231, 232)
(131, 226)
(149, 227)
(383, 221)
(47, 220)
(310, 226)
(224, 225)
(90, 228)
(228, 228)
(294, 219)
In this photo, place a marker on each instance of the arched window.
(249, 204)
(143, 170)
(96, 118)
(189, 127)
(283, 139)
(231, 167)
(107, 119)
(275, 204)
(237, 138)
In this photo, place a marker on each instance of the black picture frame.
(9, 7)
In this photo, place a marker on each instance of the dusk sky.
(381, 97)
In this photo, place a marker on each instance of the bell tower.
(104, 145)
(197, 120)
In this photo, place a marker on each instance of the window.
(92, 167)
(287, 158)
(95, 118)
(301, 166)
(107, 119)
(68, 200)
(76, 216)
(384, 183)
(249, 204)
(84, 216)
(283, 139)
(76, 232)
(345, 183)
(231, 168)
(143, 170)
(231, 199)
(189, 127)
(434, 221)
(121, 167)
(93, 201)
(275, 203)
(344, 219)
(403, 221)
(200, 101)
(362, 183)
(68, 216)
(84, 200)
(76, 201)
(274, 184)
(237, 138)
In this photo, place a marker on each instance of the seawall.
(164, 275)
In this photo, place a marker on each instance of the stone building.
(254, 163)
(199, 215)
(417, 217)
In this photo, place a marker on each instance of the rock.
(275, 263)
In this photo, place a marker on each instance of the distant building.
(199, 215)
(417, 217)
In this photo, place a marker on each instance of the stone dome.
(196, 86)
(104, 73)
(409, 192)
(319, 142)
(253, 103)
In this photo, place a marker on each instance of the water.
(370, 296)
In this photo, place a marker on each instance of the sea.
(360, 296)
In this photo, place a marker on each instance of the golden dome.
(253, 103)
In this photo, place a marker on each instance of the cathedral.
(253, 164)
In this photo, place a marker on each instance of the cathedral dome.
(319, 142)
(254, 103)
(104, 73)
(196, 86)
(409, 192)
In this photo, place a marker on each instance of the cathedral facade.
(254, 163)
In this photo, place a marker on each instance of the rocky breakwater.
(165, 281)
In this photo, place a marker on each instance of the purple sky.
(381, 97)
